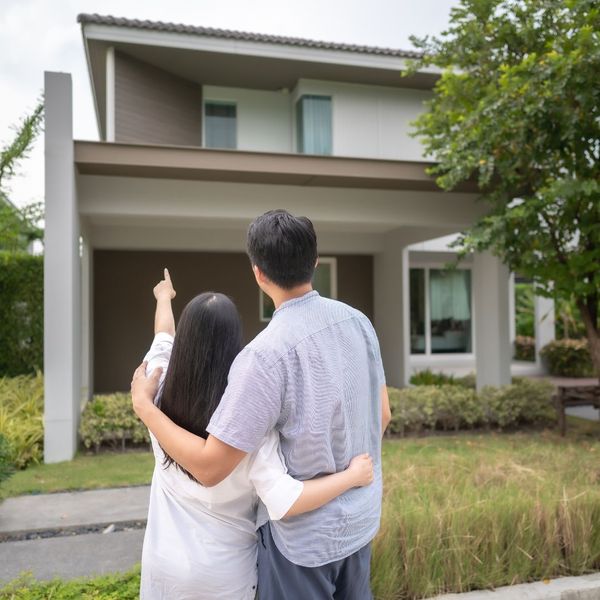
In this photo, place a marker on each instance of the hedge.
(568, 358)
(524, 348)
(454, 407)
(21, 313)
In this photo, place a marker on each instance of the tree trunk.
(593, 335)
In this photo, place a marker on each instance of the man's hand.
(144, 389)
(164, 288)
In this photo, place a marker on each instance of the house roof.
(96, 19)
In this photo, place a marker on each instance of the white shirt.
(201, 542)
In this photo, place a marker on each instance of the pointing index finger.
(167, 276)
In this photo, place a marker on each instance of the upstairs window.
(220, 125)
(314, 125)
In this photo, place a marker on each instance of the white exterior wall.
(62, 309)
(370, 121)
(264, 119)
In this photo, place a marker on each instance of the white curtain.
(314, 125)
(450, 295)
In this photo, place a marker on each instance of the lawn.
(461, 512)
(84, 472)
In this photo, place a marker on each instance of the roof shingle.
(96, 19)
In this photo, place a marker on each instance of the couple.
(293, 419)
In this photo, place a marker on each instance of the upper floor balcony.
(164, 84)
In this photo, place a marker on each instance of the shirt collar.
(298, 300)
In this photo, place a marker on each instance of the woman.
(201, 542)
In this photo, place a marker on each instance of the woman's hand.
(164, 288)
(144, 389)
(361, 469)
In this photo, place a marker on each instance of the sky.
(43, 35)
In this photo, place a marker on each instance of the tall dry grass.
(474, 512)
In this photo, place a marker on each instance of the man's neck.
(279, 295)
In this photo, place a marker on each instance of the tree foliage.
(19, 227)
(517, 108)
(21, 313)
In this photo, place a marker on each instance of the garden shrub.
(109, 419)
(568, 358)
(453, 407)
(21, 313)
(429, 377)
(524, 348)
(22, 417)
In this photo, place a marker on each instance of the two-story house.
(200, 131)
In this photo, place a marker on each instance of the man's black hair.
(283, 247)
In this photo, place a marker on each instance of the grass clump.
(125, 586)
(476, 512)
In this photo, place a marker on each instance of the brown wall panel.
(155, 107)
(124, 304)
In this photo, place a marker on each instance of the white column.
(87, 332)
(392, 309)
(492, 320)
(544, 325)
(62, 336)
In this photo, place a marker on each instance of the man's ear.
(258, 274)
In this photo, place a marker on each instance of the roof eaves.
(96, 19)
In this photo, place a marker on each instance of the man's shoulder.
(286, 331)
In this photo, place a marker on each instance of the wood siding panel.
(124, 304)
(155, 107)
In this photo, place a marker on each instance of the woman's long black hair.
(209, 337)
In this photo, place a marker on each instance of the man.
(315, 375)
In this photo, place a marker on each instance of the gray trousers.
(280, 579)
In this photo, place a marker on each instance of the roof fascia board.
(92, 84)
(169, 39)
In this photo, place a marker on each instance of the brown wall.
(124, 304)
(155, 107)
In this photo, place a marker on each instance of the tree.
(19, 227)
(517, 108)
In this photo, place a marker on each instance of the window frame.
(428, 354)
(221, 101)
(325, 260)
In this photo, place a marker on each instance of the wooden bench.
(574, 395)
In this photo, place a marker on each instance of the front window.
(314, 125)
(440, 320)
(220, 125)
(324, 281)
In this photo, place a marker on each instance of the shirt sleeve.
(268, 475)
(159, 355)
(251, 404)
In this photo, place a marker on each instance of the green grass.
(84, 472)
(112, 587)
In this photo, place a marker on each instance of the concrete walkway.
(47, 533)
(586, 587)
(42, 512)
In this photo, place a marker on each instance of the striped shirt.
(314, 375)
